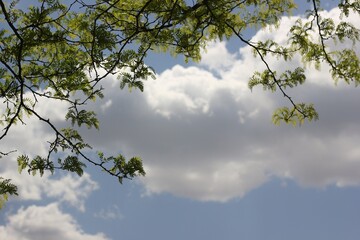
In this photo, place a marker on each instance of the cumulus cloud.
(44, 222)
(208, 137)
(216, 57)
(69, 189)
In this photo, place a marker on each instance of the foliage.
(6, 189)
(55, 49)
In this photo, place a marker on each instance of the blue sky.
(217, 168)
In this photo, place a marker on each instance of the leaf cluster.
(6, 188)
(121, 168)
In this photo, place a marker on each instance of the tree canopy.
(64, 50)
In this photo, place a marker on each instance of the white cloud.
(110, 213)
(44, 222)
(71, 189)
(208, 137)
(106, 105)
(232, 147)
(214, 183)
(216, 57)
(193, 91)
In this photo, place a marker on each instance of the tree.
(63, 50)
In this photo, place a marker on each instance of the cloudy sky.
(217, 168)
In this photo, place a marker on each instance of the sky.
(217, 167)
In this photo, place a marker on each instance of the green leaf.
(295, 115)
(6, 188)
(72, 164)
(23, 162)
